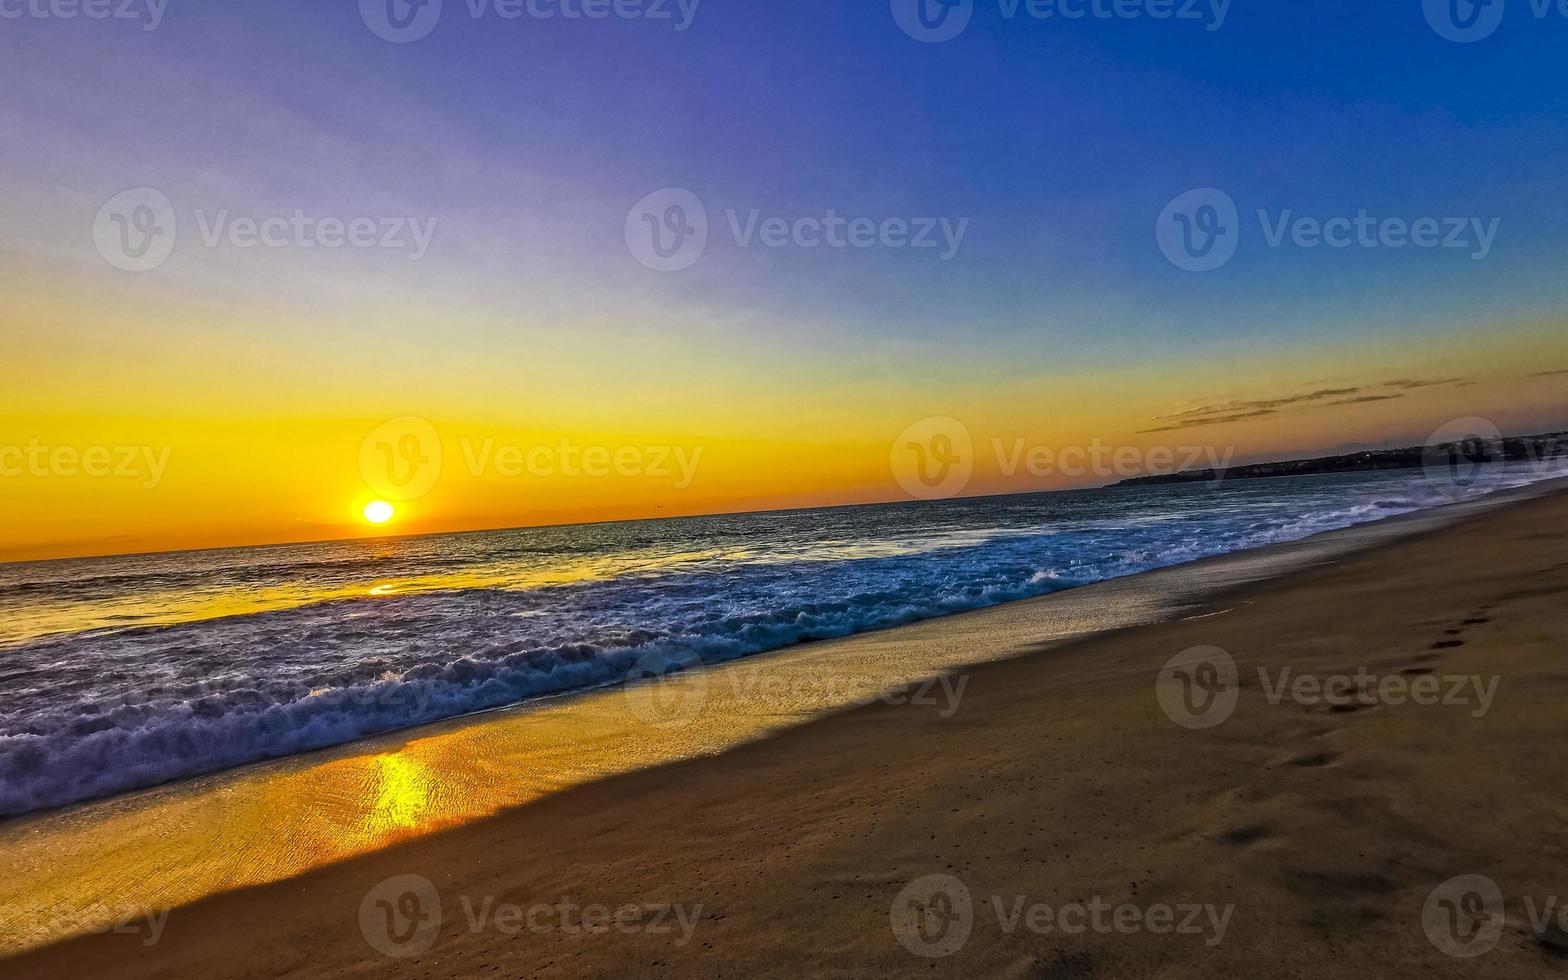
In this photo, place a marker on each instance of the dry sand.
(1316, 834)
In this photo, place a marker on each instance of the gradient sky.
(1058, 322)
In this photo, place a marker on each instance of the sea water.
(126, 672)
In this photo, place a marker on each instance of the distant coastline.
(1510, 449)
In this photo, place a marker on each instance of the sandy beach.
(1065, 489)
(1285, 783)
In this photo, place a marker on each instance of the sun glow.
(379, 512)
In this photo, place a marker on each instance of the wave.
(101, 712)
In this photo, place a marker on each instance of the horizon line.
(309, 542)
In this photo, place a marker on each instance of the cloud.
(1237, 411)
(1364, 399)
(1548, 374)
(1220, 420)
(1232, 408)
(1410, 384)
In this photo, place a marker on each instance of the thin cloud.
(1362, 400)
(1220, 420)
(1548, 374)
(1232, 408)
(1410, 384)
(1222, 413)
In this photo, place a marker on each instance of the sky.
(595, 272)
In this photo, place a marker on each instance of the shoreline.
(265, 545)
(1358, 535)
(1015, 627)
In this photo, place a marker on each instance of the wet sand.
(1059, 814)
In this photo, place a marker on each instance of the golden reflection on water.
(402, 793)
(184, 604)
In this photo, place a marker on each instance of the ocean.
(127, 672)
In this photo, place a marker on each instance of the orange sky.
(159, 438)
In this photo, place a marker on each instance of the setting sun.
(378, 512)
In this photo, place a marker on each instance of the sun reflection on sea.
(403, 792)
(184, 603)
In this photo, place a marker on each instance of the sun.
(379, 512)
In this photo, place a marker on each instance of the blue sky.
(1060, 141)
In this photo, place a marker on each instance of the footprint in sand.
(1352, 707)
(1250, 834)
(1313, 760)
(1554, 939)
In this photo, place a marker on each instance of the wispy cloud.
(1548, 374)
(1223, 413)
(1219, 420)
(1410, 384)
(1363, 399)
(1233, 407)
